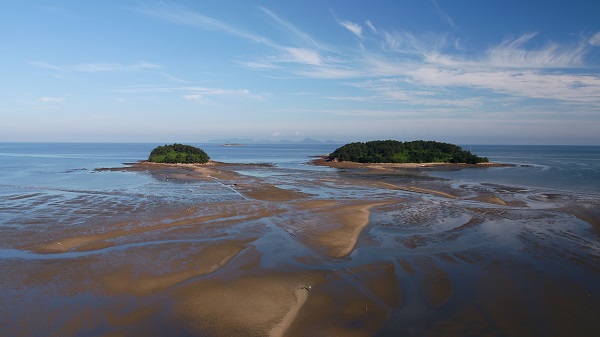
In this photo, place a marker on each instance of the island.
(178, 153)
(392, 151)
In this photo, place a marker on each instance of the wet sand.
(360, 251)
(336, 234)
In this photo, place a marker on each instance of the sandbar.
(363, 250)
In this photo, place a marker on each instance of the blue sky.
(480, 72)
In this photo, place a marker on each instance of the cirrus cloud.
(48, 99)
(595, 40)
(354, 28)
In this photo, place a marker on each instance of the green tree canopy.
(392, 151)
(178, 153)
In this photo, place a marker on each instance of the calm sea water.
(57, 184)
(57, 181)
(563, 168)
(70, 166)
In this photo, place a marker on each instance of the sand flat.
(416, 189)
(430, 191)
(242, 268)
(491, 199)
(351, 220)
(121, 230)
(205, 261)
(264, 305)
(333, 227)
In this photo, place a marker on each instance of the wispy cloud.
(510, 68)
(44, 65)
(529, 84)
(513, 53)
(302, 55)
(173, 78)
(193, 93)
(416, 46)
(409, 93)
(305, 52)
(295, 33)
(265, 64)
(148, 88)
(49, 99)
(354, 28)
(97, 67)
(331, 72)
(595, 40)
(435, 67)
(442, 14)
(200, 94)
(371, 26)
(182, 16)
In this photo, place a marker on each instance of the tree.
(178, 153)
(392, 151)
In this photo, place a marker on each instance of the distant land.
(283, 141)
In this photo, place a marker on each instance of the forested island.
(392, 151)
(178, 153)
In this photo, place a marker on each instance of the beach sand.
(333, 227)
(366, 250)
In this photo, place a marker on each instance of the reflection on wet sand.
(333, 229)
(361, 251)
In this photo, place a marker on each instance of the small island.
(178, 153)
(392, 151)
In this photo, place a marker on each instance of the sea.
(59, 183)
(561, 168)
(43, 183)
(62, 187)
(51, 185)
(31, 167)
(27, 167)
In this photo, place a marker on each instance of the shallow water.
(514, 251)
(564, 168)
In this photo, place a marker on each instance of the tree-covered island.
(392, 151)
(178, 153)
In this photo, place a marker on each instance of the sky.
(466, 72)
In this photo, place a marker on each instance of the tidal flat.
(259, 250)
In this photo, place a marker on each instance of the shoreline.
(323, 161)
(344, 252)
(320, 160)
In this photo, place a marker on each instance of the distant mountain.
(231, 141)
(310, 141)
(264, 141)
